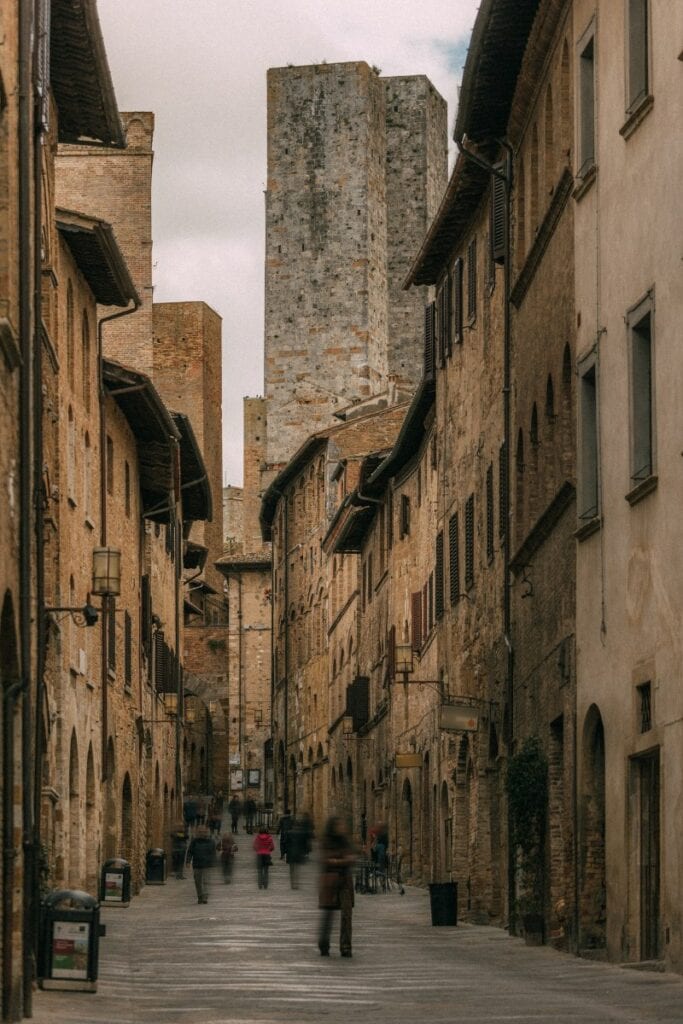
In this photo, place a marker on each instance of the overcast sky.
(200, 66)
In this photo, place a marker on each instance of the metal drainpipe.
(285, 585)
(506, 178)
(104, 663)
(180, 704)
(240, 686)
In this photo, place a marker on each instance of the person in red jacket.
(263, 847)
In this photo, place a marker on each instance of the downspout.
(285, 587)
(180, 701)
(240, 686)
(506, 178)
(103, 523)
(27, 329)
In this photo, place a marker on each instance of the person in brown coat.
(336, 885)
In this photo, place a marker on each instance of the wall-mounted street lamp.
(106, 572)
(403, 658)
(85, 616)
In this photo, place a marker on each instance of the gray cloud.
(200, 65)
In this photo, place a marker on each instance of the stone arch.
(127, 844)
(75, 869)
(593, 887)
(92, 855)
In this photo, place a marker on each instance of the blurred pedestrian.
(228, 849)
(178, 848)
(201, 810)
(190, 812)
(263, 848)
(201, 855)
(307, 826)
(214, 819)
(336, 884)
(283, 828)
(235, 809)
(363, 829)
(297, 848)
(249, 815)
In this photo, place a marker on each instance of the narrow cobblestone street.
(250, 957)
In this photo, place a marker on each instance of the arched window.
(85, 340)
(70, 334)
(550, 398)
(71, 456)
(533, 427)
(520, 451)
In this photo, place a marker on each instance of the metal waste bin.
(156, 867)
(115, 882)
(443, 898)
(70, 940)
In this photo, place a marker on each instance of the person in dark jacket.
(178, 848)
(297, 849)
(235, 809)
(283, 828)
(249, 815)
(228, 849)
(336, 885)
(201, 855)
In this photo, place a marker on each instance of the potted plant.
(527, 791)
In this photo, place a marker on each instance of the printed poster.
(70, 940)
(113, 887)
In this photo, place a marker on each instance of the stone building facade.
(629, 597)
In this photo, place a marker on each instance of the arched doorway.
(593, 905)
(74, 872)
(407, 827)
(92, 853)
(127, 844)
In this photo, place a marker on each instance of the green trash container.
(69, 941)
(156, 867)
(115, 882)
(443, 898)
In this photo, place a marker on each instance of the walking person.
(297, 848)
(336, 885)
(263, 848)
(283, 828)
(235, 809)
(178, 848)
(228, 849)
(201, 855)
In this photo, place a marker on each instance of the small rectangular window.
(644, 692)
(638, 52)
(472, 280)
(469, 542)
(454, 558)
(128, 649)
(489, 513)
(429, 339)
(588, 445)
(438, 576)
(405, 515)
(127, 486)
(458, 313)
(642, 421)
(587, 106)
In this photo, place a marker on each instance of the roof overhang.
(98, 257)
(155, 434)
(80, 78)
(494, 57)
(195, 488)
(231, 565)
(276, 489)
(409, 440)
(194, 555)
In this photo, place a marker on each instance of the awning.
(98, 257)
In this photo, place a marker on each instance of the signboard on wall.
(235, 759)
(236, 778)
(254, 777)
(409, 760)
(458, 718)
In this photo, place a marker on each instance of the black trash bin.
(69, 941)
(156, 867)
(443, 897)
(115, 882)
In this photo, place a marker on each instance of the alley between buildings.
(250, 956)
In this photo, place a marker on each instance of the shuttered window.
(469, 542)
(430, 316)
(458, 313)
(127, 649)
(438, 575)
(497, 218)
(440, 333)
(416, 621)
(425, 611)
(489, 513)
(405, 515)
(430, 598)
(454, 558)
(111, 634)
(391, 652)
(472, 279)
(145, 615)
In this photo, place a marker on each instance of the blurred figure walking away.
(202, 855)
(228, 849)
(235, 809)
(178, 848)
(297, 848)
(249, 815)
(336, 884)
(190, 812)
(214, 819)
(283, 829)
(263, 848)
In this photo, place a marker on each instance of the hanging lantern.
(106, 572)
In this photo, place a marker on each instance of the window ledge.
(642, 489)
(637, 115)
(586, 180)
(111, 675)
(89, 523)
(71, 501)
(588, 528)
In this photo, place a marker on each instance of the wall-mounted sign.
(410, 760)
(254, 776)
(458, 718)
(236, 778)
(235, 759)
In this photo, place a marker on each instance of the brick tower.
(356, 167)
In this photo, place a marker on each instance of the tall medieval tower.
(356, 168)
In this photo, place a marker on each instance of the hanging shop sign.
(458, 718)
(409, 760)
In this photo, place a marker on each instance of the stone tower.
(356, 168)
